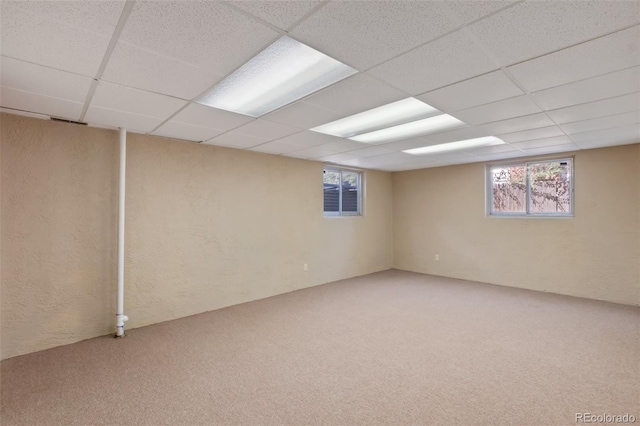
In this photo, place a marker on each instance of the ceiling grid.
(542, 76)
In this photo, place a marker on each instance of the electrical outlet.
(437, 257)
(305, 267)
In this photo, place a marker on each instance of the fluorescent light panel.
(282, 73)
(455, 146)
(400, 112)
(410, 130)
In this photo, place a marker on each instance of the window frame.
(489, 212)
(340, 213)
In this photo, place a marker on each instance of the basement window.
(532, 189)
(342, 192)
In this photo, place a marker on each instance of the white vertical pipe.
(120, 316)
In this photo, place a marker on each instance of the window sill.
(507, 216)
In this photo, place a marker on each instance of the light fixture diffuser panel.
(410, 130)
(393, 114)
(284, 72)
(455, 146)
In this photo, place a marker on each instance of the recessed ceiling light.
(392, 114)
(282, 73)
(454, 146)
(409, 130)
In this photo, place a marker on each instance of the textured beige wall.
(206, 227)
(59, 211)
(596, 254)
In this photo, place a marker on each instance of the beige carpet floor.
(390, 348)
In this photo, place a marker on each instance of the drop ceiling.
(543, 76)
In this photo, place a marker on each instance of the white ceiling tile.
(533, 28)
(136, 123)
(338, 158)
(425, 161)
(99, 16)
(385, 162)
(447, 60)
(494, 149)
(433, 164)
(213, 118)
(527, 135)
(607, 143)
(445, 162)
(282, 14)
(144, 69)
(467, 11)
(617, 105)
(343, 145)
(363, 34)
(600, 56)
(487, 88)
(266, 129)
(592, 89)
(402, 167)
(236, 140)
(594, 124)
(345, 163)
(409, 167)
(71, 36)
(308, 154)
(302, 115)
(558, 140)
(418, 142)
(457, 135)
(446, 156)
(355, 94)
(551, 149)
(308, 139)
(371, 151)
(134, 101)
(429, 165)
(173, 129)
(276, 147)
(24, 113)
(528, 122)
(352, 163)
(500, 156)
(42, 80)
(496, 111)
(33, 102)
(608, 137)
(206, 34)
(453, 162)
